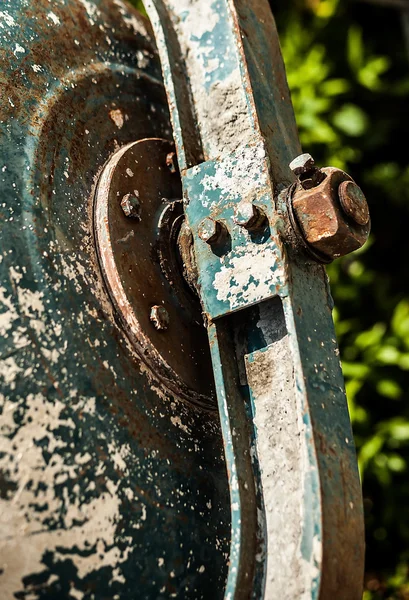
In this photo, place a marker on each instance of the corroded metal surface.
(353, 202)
(297, 528)
(110, 486)
(331, 223)
(250, 267)
(132, 258)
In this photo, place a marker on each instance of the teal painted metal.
(111, 486)
(297, 524)
(250, 266)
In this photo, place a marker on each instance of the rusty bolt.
(302, 164)
(210, 231)
(159, 317)
(308, 174)
(354, 202)
(249, 216)
(320, 214)
(131, 206)
(245, 214)
(171, 162)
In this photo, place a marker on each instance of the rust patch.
(324, 225)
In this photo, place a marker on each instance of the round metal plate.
(139, 274)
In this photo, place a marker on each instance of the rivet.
(131, 206)
(302, 164)
(159, 317)
(303, 167)
(249, 216)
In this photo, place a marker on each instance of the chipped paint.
(100, 466)
(251, 268)
(243, 279)
(53, 18)
(84, 525)
(283, 459)
(211, 62)
(228, 153)
(131, 21)
(117, 117)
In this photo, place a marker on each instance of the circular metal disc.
(131, 255)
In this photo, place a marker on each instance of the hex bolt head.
(245, 214)
(171, 162)
(159, 317)
(302, 164)
(131, 206)
(210, 230)
(353, 202)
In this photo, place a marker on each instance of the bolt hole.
(223, 246)
(261, 234)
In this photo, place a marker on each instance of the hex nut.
(131, 206)
(159, 317)
(321, 219)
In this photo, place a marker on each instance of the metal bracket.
(297, 523)
(246, 267)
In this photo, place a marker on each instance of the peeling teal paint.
(248, 135)
(110, 486)
(229, 279)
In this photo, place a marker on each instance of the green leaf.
(326, 8)
(389, 388)
(351, 119)
(396, 463)
(397, 429)
(357, 413)
(388, 355)
(404, 362)
(356, 269)
(371, 337)
(355, 48)
(369, 75)
(334, 87)
(355, 370)
(369, 450)
(400, 320)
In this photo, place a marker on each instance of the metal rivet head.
(210, 230)
(131, 206)
(353, 202)
(171, 162)
(302, 164)
(159, 317)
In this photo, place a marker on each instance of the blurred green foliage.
(349, 77)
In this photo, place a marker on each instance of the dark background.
(348, 70)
